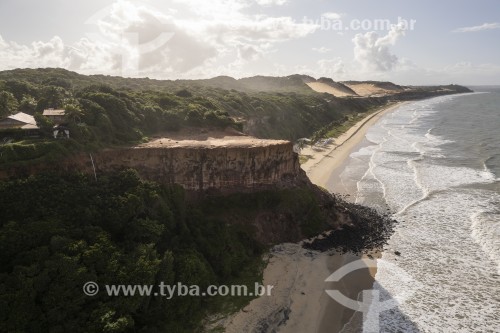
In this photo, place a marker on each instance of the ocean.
(435, 166)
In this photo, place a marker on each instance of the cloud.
(190, 38)
(259, 29)
(466, 67)
(54, 53)
(149, 41)
(271, 2)
(334, 68)
(372, 52)
(321, 49)
(332, 15)
(482, 27)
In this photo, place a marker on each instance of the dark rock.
(368, 230)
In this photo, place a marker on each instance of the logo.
(131, 41)
(90, 288)
(371, 304)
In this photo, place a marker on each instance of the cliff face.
(226, 168)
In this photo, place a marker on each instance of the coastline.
(325, 161)
(299, 302)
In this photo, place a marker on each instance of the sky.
(407, 42)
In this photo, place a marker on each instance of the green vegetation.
(107, 110)
(339, 127)
(118, 230)
(299, 204)
(304, 158)
(59, 231)
(104, 111)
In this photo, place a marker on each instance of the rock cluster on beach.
(367, 231)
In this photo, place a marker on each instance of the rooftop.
(23, 118)
(53, 112)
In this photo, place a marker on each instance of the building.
(56, 116)
(21, 123)
(19, 120)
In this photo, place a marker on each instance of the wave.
(489, 159)
(437, 251)
(448, 235)
(485, 230)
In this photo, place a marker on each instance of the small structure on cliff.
(19, 120)
(60, 131)
(56, 116)
(19, 124)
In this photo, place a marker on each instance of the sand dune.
(368, 89)
(326, 88)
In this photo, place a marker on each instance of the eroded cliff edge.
(227, 164)
(254, 183)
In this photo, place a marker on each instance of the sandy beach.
(326, 160)
(299, 302)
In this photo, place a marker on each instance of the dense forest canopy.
(118, 230)
(104, 111)
(115, 110)
(59, 231)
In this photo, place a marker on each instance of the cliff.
(226, 164)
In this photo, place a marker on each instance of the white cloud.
(333, 68)
(372, 52)
(321, 49)
(467, 67)
(134, 39)
(332, 15)
(54, 53)
(149, 41)
(258, 29)
(482, 27)
(271, 2)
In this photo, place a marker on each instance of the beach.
(324, 162)
(299, 302)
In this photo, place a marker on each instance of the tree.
(184, 93)
(28, 104)
(73, 112)
(8, 104)
(53, 97)
(21, 88)
(46, 126)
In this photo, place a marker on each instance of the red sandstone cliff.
(226, 164)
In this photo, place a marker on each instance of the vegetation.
(106, 111)
(118, 230)
(113, 110)
(59, 231)
(338, 127)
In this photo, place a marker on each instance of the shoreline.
(323, 169)
(299, 302)
(325, 161)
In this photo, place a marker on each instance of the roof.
(23, 118)
(29, 126)
(52, 112)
